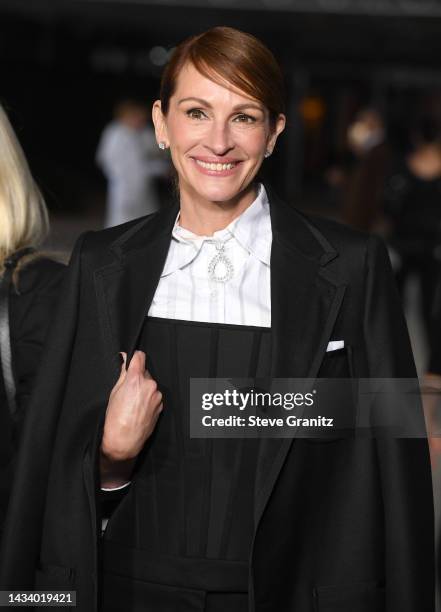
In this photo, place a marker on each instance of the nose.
(219, 140)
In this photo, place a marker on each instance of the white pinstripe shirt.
(185, 290)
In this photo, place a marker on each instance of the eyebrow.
(208, 105)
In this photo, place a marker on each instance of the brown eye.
(195, 113)
(243, 118)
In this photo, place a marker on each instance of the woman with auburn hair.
(229, 282)
(29, 282)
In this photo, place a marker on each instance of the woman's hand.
(134, 406)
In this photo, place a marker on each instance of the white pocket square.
(335, 345)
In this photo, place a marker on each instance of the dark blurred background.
(64, 65)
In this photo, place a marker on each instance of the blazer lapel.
(126, 288)
(304, 297)
(305, 301)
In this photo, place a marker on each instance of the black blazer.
(358, 534)
(31, 309)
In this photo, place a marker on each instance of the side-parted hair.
(226, 55)
(23, 214)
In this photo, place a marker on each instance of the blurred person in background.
(363, 187)
(128, 156)
(29, 284)
(412, 205)
(229, 281)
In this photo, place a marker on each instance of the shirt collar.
(252, 229)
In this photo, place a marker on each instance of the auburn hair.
(226, 55)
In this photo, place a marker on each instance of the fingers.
(137, 372)
(134, 407)
(134, 373)
(157, 399)
(157, 407)
(137, 363)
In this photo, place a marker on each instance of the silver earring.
(267, 153)
(161, 145)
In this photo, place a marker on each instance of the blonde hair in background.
(24, 218)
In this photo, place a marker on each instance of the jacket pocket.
(54, 577)
(337, 364)
(356, 597)
(336, 399)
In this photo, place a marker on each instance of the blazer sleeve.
(404, 463)
(21, 539)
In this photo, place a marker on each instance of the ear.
(277, 129)
(159, 123)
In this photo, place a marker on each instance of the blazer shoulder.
(338, 234)
(352, 245)
(357, 250)
(95, 248)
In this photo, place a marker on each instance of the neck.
(204, 217)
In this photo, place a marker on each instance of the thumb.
(137, 363)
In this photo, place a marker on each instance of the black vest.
(187, 520)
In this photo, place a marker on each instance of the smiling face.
(218, 137)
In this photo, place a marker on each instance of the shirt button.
(213, 293)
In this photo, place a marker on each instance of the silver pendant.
(220, 268)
